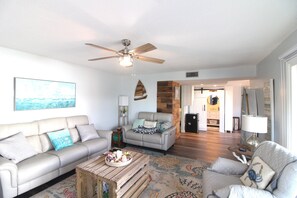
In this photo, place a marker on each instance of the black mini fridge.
(191, 124)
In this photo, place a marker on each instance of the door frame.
(286, 96)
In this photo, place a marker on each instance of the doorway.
(209, 104)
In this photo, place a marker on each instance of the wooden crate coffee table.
(127, 181)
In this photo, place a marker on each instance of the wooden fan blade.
(94, 59)
(104, 48)
(143, 48)
(150, 59)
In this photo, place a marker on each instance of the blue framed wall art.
(34, 94)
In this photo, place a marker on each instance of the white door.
(200, 108)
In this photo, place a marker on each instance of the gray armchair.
(222, 179)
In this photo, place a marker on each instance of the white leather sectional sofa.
(48, 164)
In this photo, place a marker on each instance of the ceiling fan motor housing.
(126, 42)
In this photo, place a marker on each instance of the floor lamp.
(254, 125)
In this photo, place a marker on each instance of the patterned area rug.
(172, 177)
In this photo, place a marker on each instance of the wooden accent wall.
(167, 102)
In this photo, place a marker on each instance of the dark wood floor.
(206, 146)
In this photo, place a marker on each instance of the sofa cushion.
(133, 136)
(146, 115)
(138, 123)
(163, 117)
(87, 132)
(258, 175)
(37, 166)
(45, 143)
(155, 138)
(16, 148)
(95, 145)
(52, 124)
(70, 154)
(34, 140)
(74, 135)
(60, 139)
(28, 129)
(73, 121)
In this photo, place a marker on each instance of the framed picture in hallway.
(34, 94)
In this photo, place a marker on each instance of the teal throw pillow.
(138, 123)
(163, 126)
(60, 139)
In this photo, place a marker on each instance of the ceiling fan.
(126, 56)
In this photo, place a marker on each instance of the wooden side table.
(241, 152)
(117, 138)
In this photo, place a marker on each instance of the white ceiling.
(189, 35)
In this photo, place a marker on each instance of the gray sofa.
(48, 164)
(162, 141)
(223, 178)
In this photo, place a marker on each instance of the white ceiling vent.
(191, 74)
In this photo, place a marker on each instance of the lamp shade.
(254, 124)
(123, 101)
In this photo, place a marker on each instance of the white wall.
(270, 67)
(96, 91)
(233, 98)
(229, 108)
(128, 84)
(187, 96)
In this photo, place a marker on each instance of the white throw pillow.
(258, 175)
(149, 124)
(16, 148)
(87, 132)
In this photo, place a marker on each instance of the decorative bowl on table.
(118, 158)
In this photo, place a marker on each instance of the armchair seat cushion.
(214, 181)
(37, 166)
(66, 155)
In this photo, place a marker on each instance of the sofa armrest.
(106, 134)
(228, 167)
(7, 165)
(167, 132)
(8, 178)
(124, 130)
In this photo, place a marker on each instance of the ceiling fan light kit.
(127, 56)
(126, 60)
